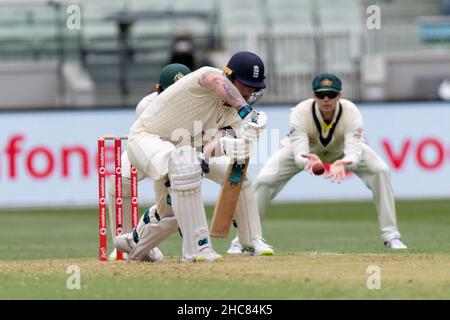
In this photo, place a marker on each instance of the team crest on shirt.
(177, 76)
(326, 83)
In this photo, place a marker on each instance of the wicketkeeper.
(328, 129)
(166, 143)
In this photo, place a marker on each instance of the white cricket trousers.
(281, 167)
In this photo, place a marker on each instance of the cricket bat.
(228, 198)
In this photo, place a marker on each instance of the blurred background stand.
(37, 67)
(114, 59)
(182, 49)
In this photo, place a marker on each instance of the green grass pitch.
(322, 251)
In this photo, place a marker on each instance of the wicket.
(118, 191)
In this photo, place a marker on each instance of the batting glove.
(238, 149)
(253, 128)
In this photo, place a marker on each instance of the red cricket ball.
(318, 169)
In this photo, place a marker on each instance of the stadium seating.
(405, 12)
(342, 15)
(297, 38)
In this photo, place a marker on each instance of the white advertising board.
(49, 158)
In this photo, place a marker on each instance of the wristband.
(244, 110)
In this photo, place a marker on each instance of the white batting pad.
(185, 176)
(247, 217)
(124, 242)
(149, 235)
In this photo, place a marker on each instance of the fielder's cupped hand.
(238, 149)
(254, 126)
(337, 171)
(312, 160)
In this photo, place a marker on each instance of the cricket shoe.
(395, 244)
(236, 247)
(208, 255)
(155, 255)
(259, 248)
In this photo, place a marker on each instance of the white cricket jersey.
(144, 103)
(309, 133)
(187, 108)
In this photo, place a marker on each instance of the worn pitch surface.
(323, 251)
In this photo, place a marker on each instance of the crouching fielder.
(166, 144)
(329, 129)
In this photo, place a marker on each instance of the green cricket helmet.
(170, 74)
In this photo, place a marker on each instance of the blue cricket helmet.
(247, 68)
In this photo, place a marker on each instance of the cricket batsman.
(173, 139)
(168, 75)
(328, 129)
